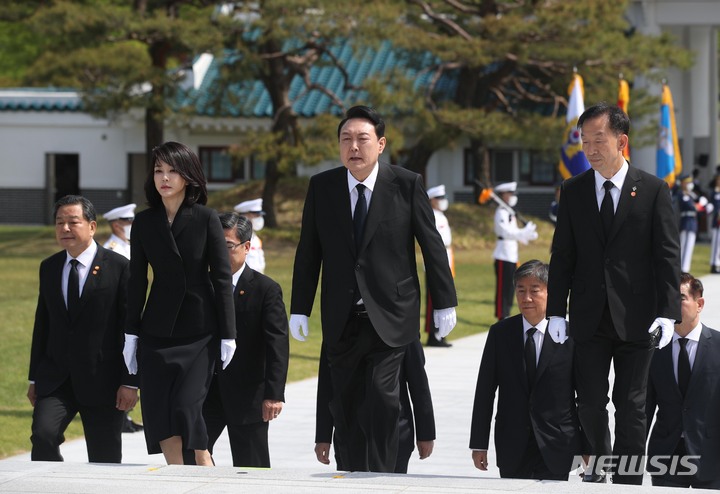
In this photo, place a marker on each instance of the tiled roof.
(40, 99)
(250, 99)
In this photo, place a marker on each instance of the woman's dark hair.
(187, 164)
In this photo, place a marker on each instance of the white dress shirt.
(693, 338)
(85, 263)
(618, 180)
(369, 184)
(538, 336)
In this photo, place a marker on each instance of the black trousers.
(53, 413)
(631, 361)
(671, 479)
(532, 465)
(504, 287)
(366, 405)
(248, 442)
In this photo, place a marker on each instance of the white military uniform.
(256, 257)
(443, 227)
(118, 245)
(508, 233)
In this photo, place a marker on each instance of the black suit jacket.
(185, 298)
(549, 411)
(698, 414)
(87, 349)
(415, 398)
(258, 370)
(385, 269)
(636, 270)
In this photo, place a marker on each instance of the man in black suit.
(359, 225)
(250, 392)
(76, 363)
(684, 388)
(616, 253)
(416, 411)
(536, 425)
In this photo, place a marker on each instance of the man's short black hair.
(239, 224)
(532, 269)
(70, 200)
(366, 113)
(618, 121)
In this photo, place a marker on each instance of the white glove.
(709, 208)
(299, 326)
(227, 350)
(557, 327)
(667, 328)
(130, 353)
(445, 320)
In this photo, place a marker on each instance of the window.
(501, 166)
(538, 167)
(257, 168)
(220, 166)
(471, 169)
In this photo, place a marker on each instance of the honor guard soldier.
(506, 249)
(252, 210)
(120, 220)
(439, 204)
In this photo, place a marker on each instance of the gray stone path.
(452, 373)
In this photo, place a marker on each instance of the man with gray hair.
(536, 425)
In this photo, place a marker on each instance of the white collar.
(693, 335)
(86, 257)
(618, 179)
(369, 182)
(541, 326)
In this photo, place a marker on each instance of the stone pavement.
(452, 373)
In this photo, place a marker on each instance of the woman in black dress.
(187, 320)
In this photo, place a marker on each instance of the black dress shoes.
(432, 341)
(596, 478)
(130, 426)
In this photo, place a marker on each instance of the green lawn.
(22, 249)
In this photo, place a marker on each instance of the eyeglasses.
(232, 246)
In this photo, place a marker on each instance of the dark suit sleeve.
(417, 382)
(439, 277)
(484, 395)
(666, 254)
(221, 277)
(277, 346)
(40, 331)
(323, 418)
(138, 282)
(308, 259)
(562, 260)
(122, 293)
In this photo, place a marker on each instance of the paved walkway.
(452, 373)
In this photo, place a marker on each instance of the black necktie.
(683, 366)
(530, 356)
(360, 215)
(607, 209)
(73, 287)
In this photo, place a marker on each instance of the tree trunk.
(418, 156)
(272, 177)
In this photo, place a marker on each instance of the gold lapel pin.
(242, 292)
(96, 269)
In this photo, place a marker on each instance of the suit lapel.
(244, 287)
(163, 227)
(701, 359)
(546, 355)
(92, 280)
(628, 196)
(54, 283)
(589, 203)
(515, 351)
(338, 193)
(381, 202)
(667, 369)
